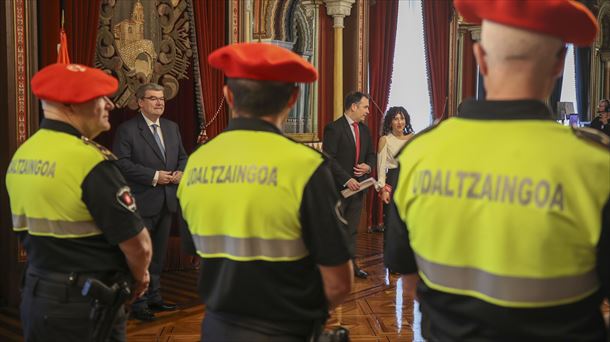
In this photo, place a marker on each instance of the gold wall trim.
(22, 64)
(360, 80)
(234, 10)
(598, 74)
(21, 76)
(454, 65)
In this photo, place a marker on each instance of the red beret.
(567, 20)
(263, 62)
(72, 83)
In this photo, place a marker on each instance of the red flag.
(62, 49)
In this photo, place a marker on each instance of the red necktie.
(357, 134)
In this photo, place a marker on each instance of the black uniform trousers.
(214, 329)
(352, 210)
(57, 311)
(391, 179)
(159, 228)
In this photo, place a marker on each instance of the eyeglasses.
(155, 99)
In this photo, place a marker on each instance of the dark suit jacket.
(339, 143)
(597, 124)
(139, 158)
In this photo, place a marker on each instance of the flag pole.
(63, 57)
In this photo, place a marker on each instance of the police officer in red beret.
(503, 213)
(262, 209)
(73, 209)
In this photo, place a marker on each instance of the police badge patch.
(126, 199)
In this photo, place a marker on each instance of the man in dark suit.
(349, 142)
(151, 157)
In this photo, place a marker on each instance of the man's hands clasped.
(167, 177)
(361, 169)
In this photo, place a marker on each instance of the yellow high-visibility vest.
(44, 184)
(514, 224)
(241, 195)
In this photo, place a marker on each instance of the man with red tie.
(349, 142)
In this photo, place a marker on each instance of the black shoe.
(376, 229)
(360, 273)
(144, 315)
(163, 306)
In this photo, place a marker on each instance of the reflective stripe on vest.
(249, 248)
(241, 196)
(507, 290)
(65, 229)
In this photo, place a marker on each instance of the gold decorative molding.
(598, 87)
(454, 66)
(234, 10)
(22, 78)
(361, 33)
(339, 9)
(304, 137)
(475, 32)
(21, 64)
(458, 32)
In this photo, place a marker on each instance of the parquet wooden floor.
(376, 310)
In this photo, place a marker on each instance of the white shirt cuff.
(155, 178)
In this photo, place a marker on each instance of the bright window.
(568, 88)
(409, 84)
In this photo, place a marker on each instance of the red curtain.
(325, 71)
(211, 30)
(49, 19)
(80, 22)
(469, 69)
(437, 15)
(384, 18)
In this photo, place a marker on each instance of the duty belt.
(73, 278)
(59, 286)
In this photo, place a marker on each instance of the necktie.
(357, 135)
(158, 139)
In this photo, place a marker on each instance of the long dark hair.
(607, 106)
(390, 115)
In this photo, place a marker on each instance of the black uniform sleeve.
(324, 230)
(603, 252)
(397, 254)
(101, 189)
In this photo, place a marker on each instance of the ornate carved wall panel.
(144, 41)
